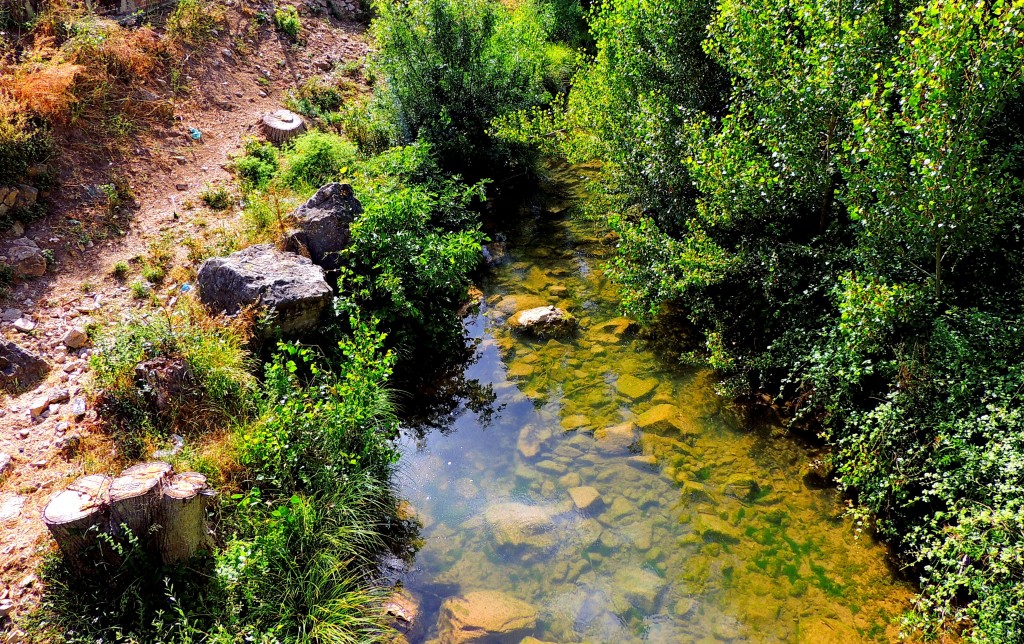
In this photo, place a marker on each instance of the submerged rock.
(617, 439)
(664, 419)
(639, 587)
(484, 615)
(290, 285)
(518, 525)
(545, 322)
(635, 388)
(585, 498)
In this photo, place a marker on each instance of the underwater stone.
(662, 418)
(585, 497)
(484, 615)
(639, 586)
(616, 439)
(635, 388)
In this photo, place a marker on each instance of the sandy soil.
(166, 171)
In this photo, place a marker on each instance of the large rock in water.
(19, 367)
(520, 526)
(484, 615)
(324, 223)
(545, 322)
(288, 284)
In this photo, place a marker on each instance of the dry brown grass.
(44, 89)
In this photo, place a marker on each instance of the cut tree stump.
(183, 518)
(132, 495)
(282, 125)
(77, 515)
(165, 511)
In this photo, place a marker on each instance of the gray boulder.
(323, 225)
(288, 284)
(25, 257)
(19, 367)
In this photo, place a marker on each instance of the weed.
(88, 287)
(216, 197)
(316, 158)
(152, 274)
(140, 290)
(120, 270)
(286, 19)
(194, 22)
(257, 165)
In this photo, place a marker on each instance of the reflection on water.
(605, 497)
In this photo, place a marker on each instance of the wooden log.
(135, 498)
(183, 530)
(77, 515)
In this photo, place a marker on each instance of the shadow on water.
(583, 490)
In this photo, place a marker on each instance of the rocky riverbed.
(607, 496)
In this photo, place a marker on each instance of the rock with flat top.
(519, 525)
(664, 419)
(544, 322)
(323, 225)
(291, 286)
(585, 497)
(635, 388)
(484, 616)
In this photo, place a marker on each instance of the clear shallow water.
(694, 528)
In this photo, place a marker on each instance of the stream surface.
(619, 496)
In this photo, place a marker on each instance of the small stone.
(5, 462)
(78, 407)
(27, 581)
(24, 325)
(10, 315)
(617, 439)
(181, 186)
(39, 405)
(59, 396)
(23, 433)
(6, 606)
(558, 291)
(61, 427)
(75, 338)
(585, 497)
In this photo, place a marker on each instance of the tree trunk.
(77, 515)
(134, 496)
(182, 517)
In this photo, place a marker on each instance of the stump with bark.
(165, 511)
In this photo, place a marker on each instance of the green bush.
(449, 68)
(257, 165)
(314, 159)
(414, 247)
(286, 19)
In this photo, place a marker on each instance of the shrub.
(257, 165)
(316, 158)
(286, 19)
(23, 143)
(120, 270)
(450, 67)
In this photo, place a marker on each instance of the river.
(608, 496)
